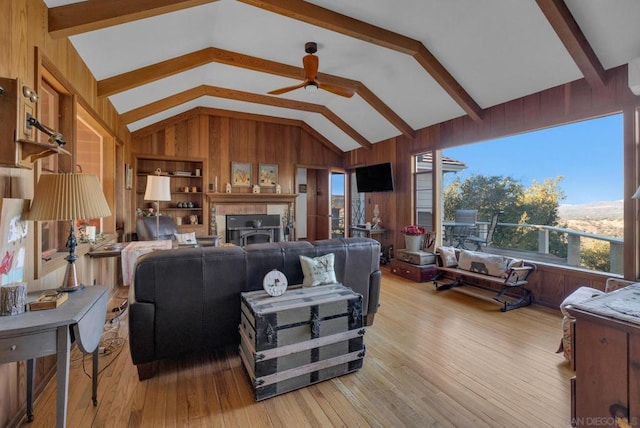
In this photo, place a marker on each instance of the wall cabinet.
(187, 206)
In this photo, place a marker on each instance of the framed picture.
(13, 231)
(268, 175)
(302, 188)
(240, 174)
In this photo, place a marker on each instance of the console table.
(35, 334)
(368, 233)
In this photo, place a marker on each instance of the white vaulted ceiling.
(477, 54)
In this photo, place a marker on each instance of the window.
(91, 148)
(89, 160)
(338, 205)
(357, 204)
(559, 190)
(49, 105)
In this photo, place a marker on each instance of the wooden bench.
(515, 276)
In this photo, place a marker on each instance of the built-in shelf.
(251, 198)
(146, 165)
(33, 150)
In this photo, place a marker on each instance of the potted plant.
(413, 237)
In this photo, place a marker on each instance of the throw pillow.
(487, 264)
(186, 238)
(318, 270)
(448, 255)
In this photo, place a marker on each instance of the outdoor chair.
(465, 225)
(488, 238)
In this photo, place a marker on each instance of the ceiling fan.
(310, 63)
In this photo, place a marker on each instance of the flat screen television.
(375, 178)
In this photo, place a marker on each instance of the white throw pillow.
(448, 255)
(186, 238)
(318, 270)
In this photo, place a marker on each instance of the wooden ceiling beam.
(151, 73)
(574, 40)
(449, 83)
(210, 111)
(213, 91)
(333, 21)
(68, 20)
(161, 105)
(325, 18)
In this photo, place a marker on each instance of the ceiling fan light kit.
(310, 64)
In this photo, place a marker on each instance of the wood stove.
(243, 229)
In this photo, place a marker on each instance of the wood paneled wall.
(225, 137)
(568, 103)
(25, 44)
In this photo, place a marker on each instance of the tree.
(487, 194)
(537, 204)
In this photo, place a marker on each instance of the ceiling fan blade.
(310, 64)
(338, 90)
(287, 89)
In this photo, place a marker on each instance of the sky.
(576, 152)
(587, 154)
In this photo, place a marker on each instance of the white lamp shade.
(60, 197)
(157, 188)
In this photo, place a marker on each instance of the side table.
(108, 250)
(36, 334)
(368, 233)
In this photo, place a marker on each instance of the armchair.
(146, 230)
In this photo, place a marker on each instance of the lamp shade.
(68, 197)
(157, 188)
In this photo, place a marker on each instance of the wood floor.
(433, 359)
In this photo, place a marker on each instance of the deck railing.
(574, 238)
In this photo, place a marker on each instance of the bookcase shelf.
(148, 165)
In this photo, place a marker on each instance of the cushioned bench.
(466, 266)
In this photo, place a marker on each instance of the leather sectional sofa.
(188, 300)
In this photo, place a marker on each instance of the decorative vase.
(413, 242)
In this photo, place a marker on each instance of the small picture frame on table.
(268, 175)
(240, 174)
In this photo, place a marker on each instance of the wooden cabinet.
(607, 363)
(187, 206)
(417, 273)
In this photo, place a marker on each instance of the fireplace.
(243, 229)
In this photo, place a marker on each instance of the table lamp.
(69, 197)
(157, 190)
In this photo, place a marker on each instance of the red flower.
(413, 230)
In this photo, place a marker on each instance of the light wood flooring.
(433, 359)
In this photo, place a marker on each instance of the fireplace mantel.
(251, 198)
